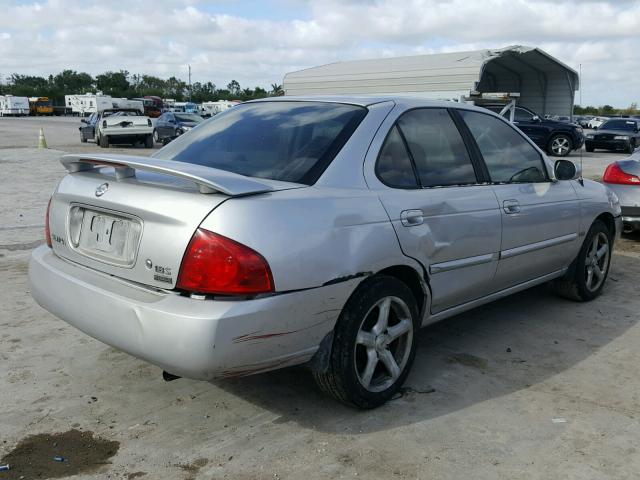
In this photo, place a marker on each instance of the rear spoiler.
(208, 180)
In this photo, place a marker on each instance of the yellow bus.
(40, 106)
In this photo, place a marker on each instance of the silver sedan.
(323, 231)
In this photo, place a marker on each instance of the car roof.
(407, 102)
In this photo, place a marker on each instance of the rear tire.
(589, 149)
(148, 141)
(560, 145)
(588, 272)
(374, 344)
(103, 141)
(83, 139)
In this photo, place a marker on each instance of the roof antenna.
(581, 178)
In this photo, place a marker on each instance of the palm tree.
(276, 90)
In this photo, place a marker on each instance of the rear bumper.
(200, 339)
(122, 132)
(631, 219)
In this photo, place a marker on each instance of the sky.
(257, 42)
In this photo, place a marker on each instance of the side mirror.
(535, 118)
(83, 120)
(566, 170)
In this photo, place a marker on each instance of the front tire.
(631, 147)
(374, 344)
(560, 145)
(589, 271)
(589, 149)
(83, 139)
(103, 141)
(156, 137)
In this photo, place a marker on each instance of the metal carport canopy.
(546, 85)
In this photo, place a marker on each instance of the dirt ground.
(529, 387)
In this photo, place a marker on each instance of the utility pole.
(189, 82)
(580, 80)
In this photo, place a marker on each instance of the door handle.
(411, 218)
(511, 206)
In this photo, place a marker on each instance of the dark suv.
(556, 138)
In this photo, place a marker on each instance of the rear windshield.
(287, 141)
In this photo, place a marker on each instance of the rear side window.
(394, 167)
(288, 141)
(508, 156)
(437, 148)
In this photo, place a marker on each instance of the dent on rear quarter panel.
(595, 199)
(312, 236)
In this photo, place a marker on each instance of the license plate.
(104, 236)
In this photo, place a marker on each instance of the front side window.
(508, 156)
(522, 115)
(437, 148)
(279, 140)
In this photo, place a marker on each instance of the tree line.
(606, 110)
(123, 84)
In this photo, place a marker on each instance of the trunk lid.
(133, 217)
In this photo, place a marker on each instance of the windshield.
(629, 125)
(288, 141)
(188, 117)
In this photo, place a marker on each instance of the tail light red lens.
(614, 174)
(218, 265)
(47, 230)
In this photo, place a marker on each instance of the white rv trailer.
(11, 105)
(88, 103)
(209, 109)
(126, 103)
(91, 103)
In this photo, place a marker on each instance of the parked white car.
(118, 126)
(595, 122)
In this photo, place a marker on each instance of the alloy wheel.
(383, 344)
(560, 146)
(596, 262)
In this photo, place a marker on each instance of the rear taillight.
(219, 265)
(614, 174)
(149, 122)
(47, 230)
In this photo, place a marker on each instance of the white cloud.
(163, 36)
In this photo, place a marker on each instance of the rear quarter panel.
(313, 236)
(595, 199)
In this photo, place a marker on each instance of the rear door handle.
(511, 206)
(411, 218)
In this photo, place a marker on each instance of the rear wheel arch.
(608, 220)
(416, 281)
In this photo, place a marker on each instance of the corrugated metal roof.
(546, 84)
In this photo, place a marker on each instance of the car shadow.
(491, 351)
